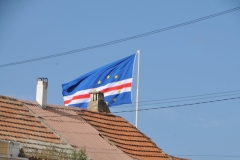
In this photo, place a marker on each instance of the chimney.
(41, 95)
(97, 103)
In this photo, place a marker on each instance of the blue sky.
(200, 58)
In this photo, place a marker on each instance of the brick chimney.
(41, 93)
(97, 103)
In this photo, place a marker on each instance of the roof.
(124, 135)
(78, 133)
(17, 123)
(26, 122)
(104, 135)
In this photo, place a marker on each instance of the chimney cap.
(42, 79)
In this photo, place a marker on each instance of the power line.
(199, 95)
(123, 39)
(178, 100)
(180, 105)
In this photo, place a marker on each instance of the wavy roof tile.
(125, 136)
(104, 135)
(34, 127)
(17, 123)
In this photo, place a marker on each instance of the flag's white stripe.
(76, 101)
(119, 91)
(87, 91)
(85, 100)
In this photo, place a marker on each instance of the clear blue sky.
(196, 59)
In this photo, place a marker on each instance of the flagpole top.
(138, 51)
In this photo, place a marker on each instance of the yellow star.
(119, 91)
(107, 103)
(116, 76)
(120, 82)
(108, 76)
(95, 90)
(114, 99)
(99, 82)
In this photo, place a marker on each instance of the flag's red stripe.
(117, 87)
(104, 91)
(77, 97)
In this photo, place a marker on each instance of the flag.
(114, 80)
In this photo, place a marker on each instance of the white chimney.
(41, 95)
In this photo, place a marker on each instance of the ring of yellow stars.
(119, 91)
(108, 76)
(99, 82)
(107, 103)
(116, 76)
(120, 82)
(114, 99)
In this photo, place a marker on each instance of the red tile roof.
(34, 127)
(104, 135)
(124, 135)
(17, 123)
(78, 133)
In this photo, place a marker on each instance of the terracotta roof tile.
(105, 136)
(125, 136)
(75, 131)
(17, 123)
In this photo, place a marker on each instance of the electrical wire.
(123, 39)
(199, 95)
(180, 105)
(147, 104)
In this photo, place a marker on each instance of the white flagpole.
(138, 74)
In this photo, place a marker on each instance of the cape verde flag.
(114, 80)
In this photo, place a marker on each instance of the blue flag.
(114, 80)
